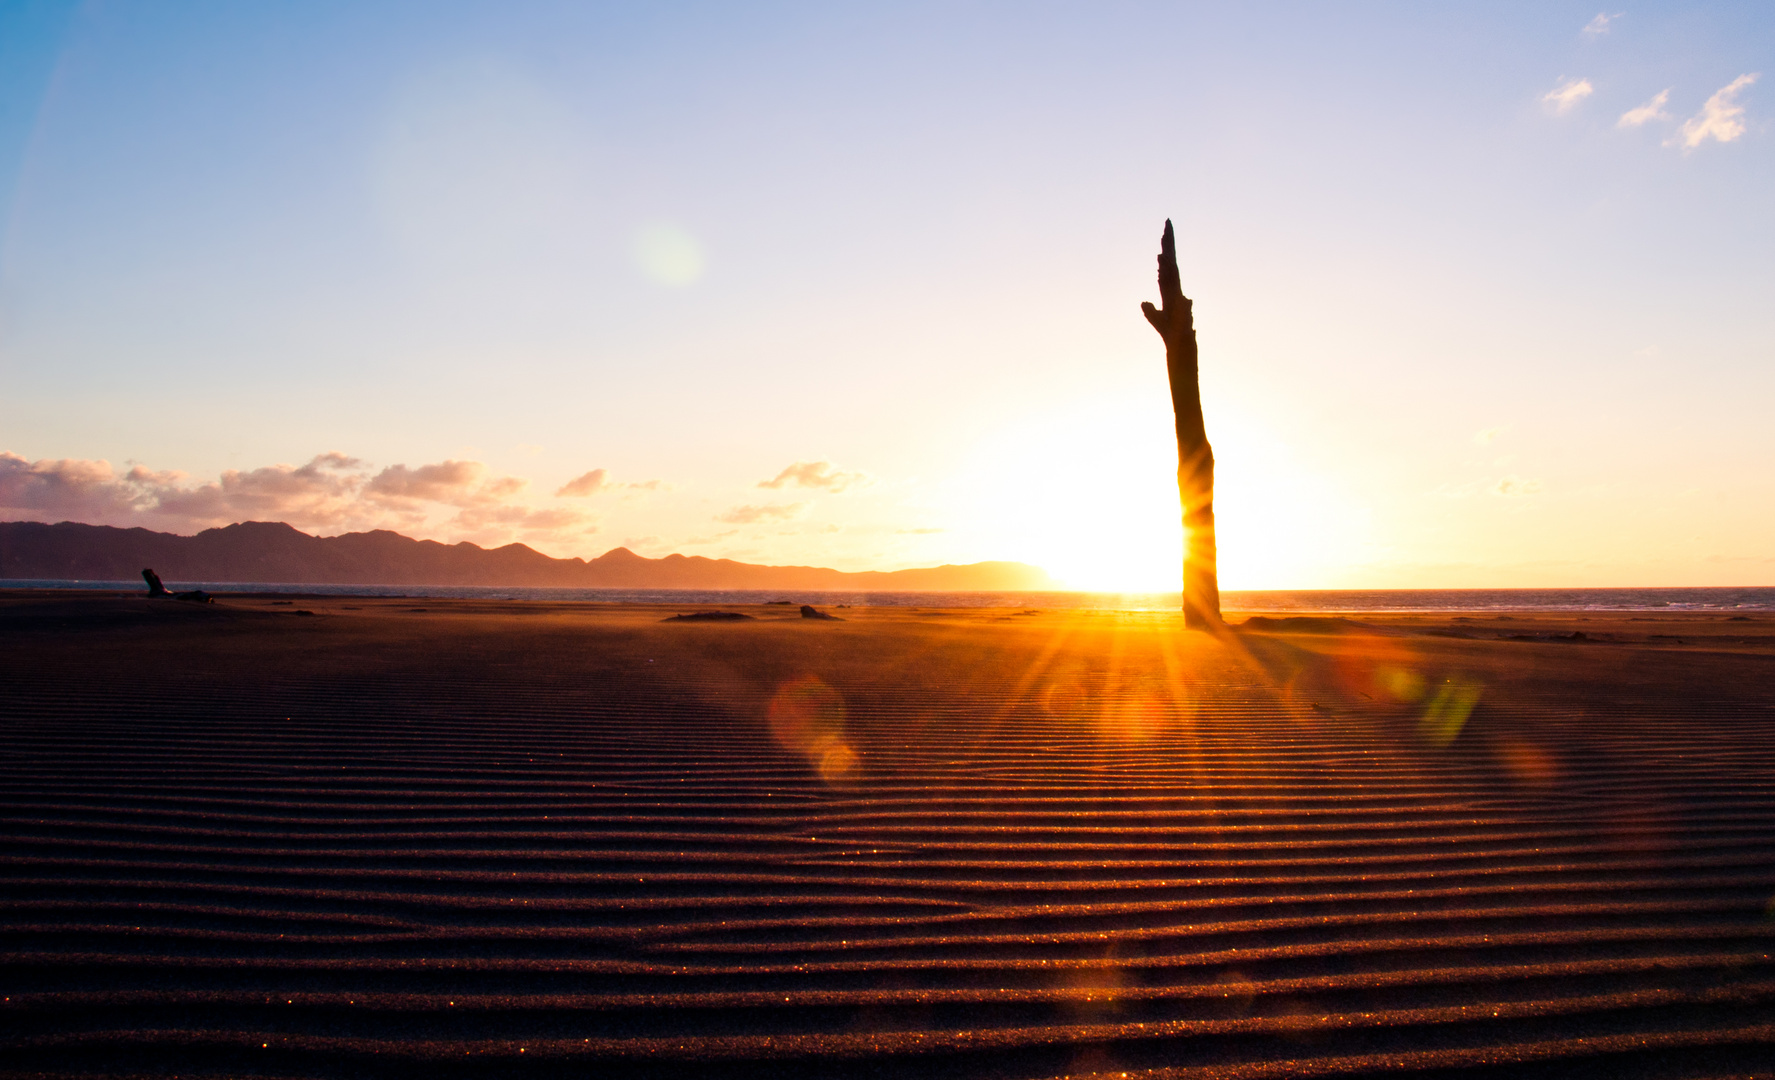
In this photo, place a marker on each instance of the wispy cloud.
(1564, 98)
(814, 474)
(1488, 435)
(1515, 486)
(1600, 25)
(1645, 114)
(1721, 118)
(715, 539)
(751, 515)
(494, 525)
(331, 493)
(598, 480)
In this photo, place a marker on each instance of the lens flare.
(668, 254)
(1526, 763)
(1448, 711)
(1402, 684)
(807, 717)
(1065, 697)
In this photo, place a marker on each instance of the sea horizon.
(1253, 601)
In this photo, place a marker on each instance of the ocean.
(1753, 598)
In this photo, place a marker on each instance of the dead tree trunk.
(1174, 319)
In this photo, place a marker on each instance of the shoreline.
(1736, 599)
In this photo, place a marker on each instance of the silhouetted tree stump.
(1175, 321)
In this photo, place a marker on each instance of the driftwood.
(157, 591)
(1174, 319)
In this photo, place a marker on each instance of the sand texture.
(454, 838)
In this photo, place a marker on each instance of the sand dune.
(483, 838)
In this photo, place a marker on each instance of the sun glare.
(1089, 492)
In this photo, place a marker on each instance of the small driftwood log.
(1174, 319)
(155, 588)
(157, 591)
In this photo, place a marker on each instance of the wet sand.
(465, 838)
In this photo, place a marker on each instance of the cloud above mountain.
(331, 493)
(585, 484)
(819, 475)
(598, 481)
(455, 483)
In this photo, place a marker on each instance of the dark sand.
(456, 838)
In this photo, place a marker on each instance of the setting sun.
(1089, 491)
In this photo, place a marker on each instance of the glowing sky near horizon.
(1486, 293)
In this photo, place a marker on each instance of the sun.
(1088, 491)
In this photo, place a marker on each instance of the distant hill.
(265, 552)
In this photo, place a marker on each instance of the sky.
(1485, 292)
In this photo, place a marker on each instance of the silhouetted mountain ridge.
(273, 552)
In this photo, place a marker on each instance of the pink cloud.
(596, 481)
(54, 490)
(457, 483)
(331, 493)
(585, 484)
(321, 494)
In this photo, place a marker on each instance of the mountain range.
(273, 552)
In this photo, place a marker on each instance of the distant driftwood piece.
(709, 616)
(1175, 321)
(157, 591)
(155, 588)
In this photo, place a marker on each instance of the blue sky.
(1461, 324)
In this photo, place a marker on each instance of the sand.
(458, 838)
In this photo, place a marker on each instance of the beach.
(357, 836)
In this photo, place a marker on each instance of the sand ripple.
(573, 847)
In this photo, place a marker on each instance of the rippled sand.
(398, 838)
